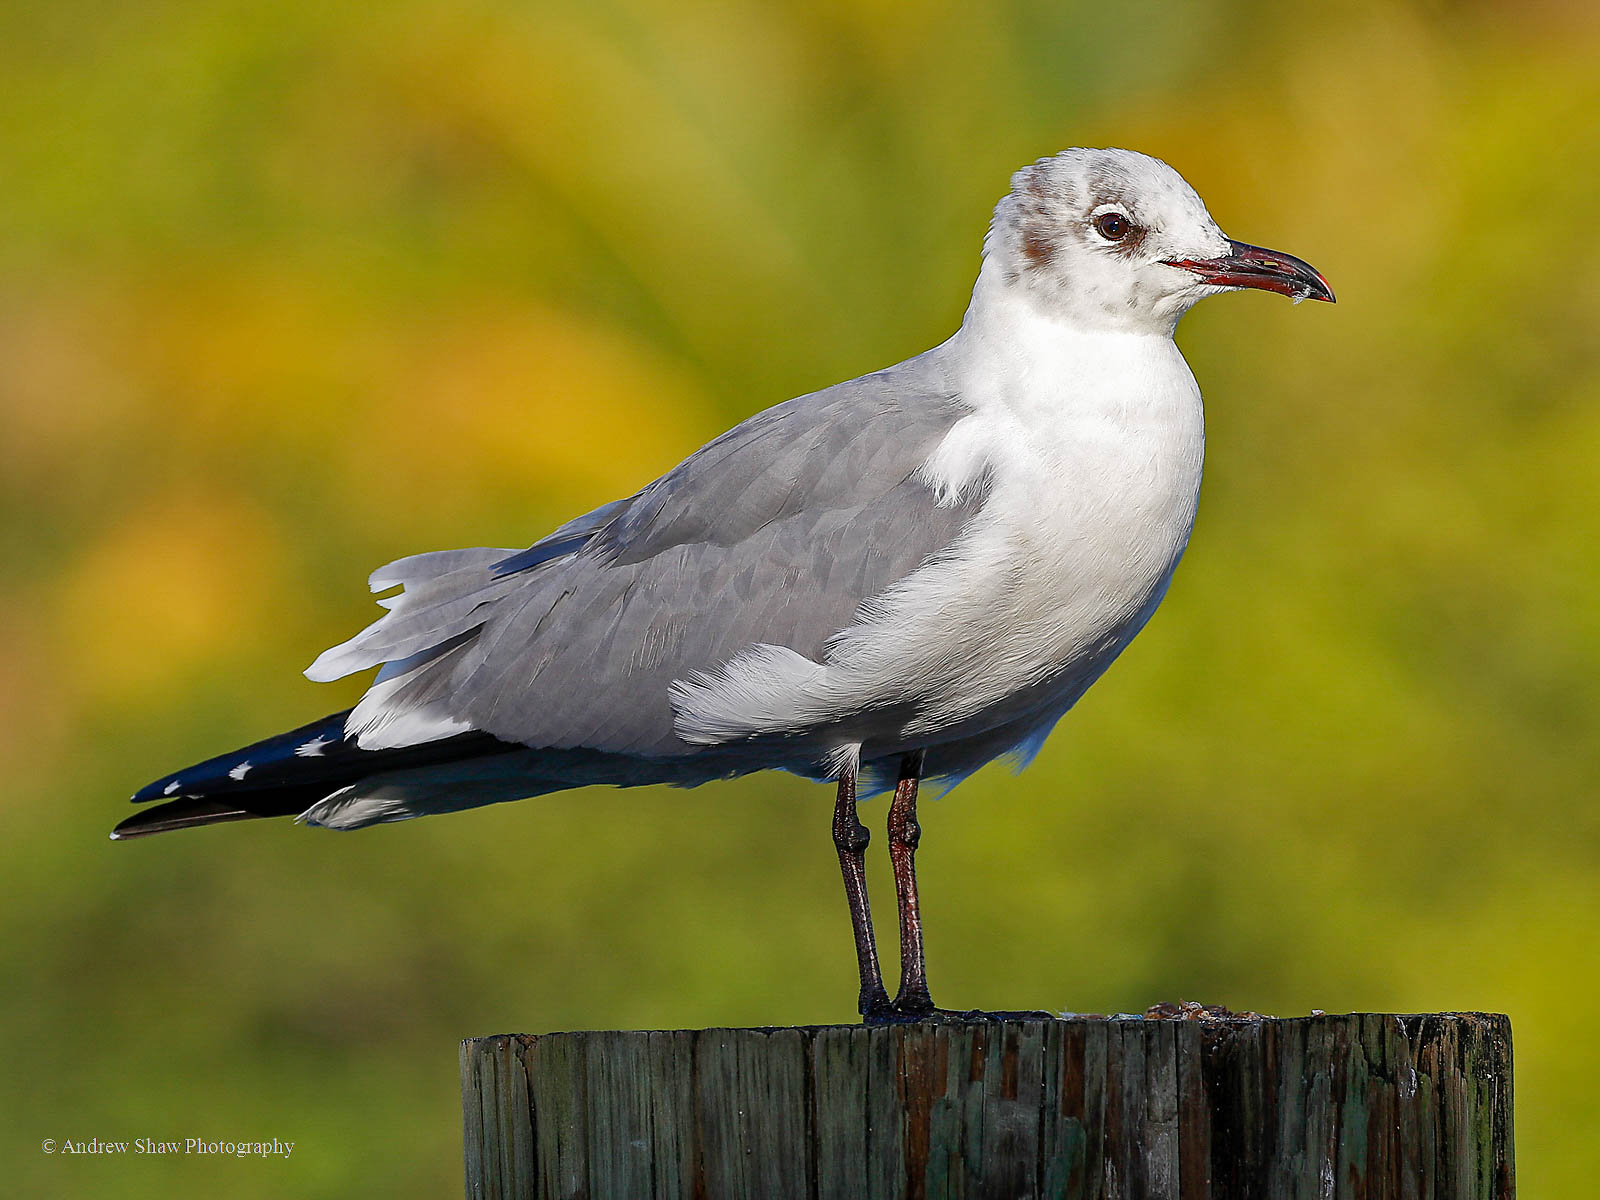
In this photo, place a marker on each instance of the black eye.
(1112, 226)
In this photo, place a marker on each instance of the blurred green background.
(290, 289)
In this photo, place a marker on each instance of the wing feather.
(776, 534)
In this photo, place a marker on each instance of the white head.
(1112, 239)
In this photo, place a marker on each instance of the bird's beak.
(1253, 267)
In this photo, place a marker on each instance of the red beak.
(1247, 266)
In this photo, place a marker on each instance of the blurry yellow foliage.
(167, 591)
(529, 399)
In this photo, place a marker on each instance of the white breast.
(1093, 457)
(1091, 447)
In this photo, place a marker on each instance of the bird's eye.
(1112, 226)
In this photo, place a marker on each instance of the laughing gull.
(901, 577)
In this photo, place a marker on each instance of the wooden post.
(1364, 1106)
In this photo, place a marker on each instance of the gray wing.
(775, 533)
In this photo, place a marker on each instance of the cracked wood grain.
(1363, 1106)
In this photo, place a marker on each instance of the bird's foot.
(874, 1005)
(900, 1015)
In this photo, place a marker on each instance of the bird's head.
(1112, 239)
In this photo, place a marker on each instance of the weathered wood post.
(1364, 1106)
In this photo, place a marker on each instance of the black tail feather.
(199, 810)
(283, 776)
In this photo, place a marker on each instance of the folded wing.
(774, 534)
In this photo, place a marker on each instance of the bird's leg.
(850, 838)
(904, 834)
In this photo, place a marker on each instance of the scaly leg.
(850, 838)
(904, 834)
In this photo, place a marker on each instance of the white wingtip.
(330, 665)
(384, 578)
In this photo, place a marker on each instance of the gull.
(901, 577)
